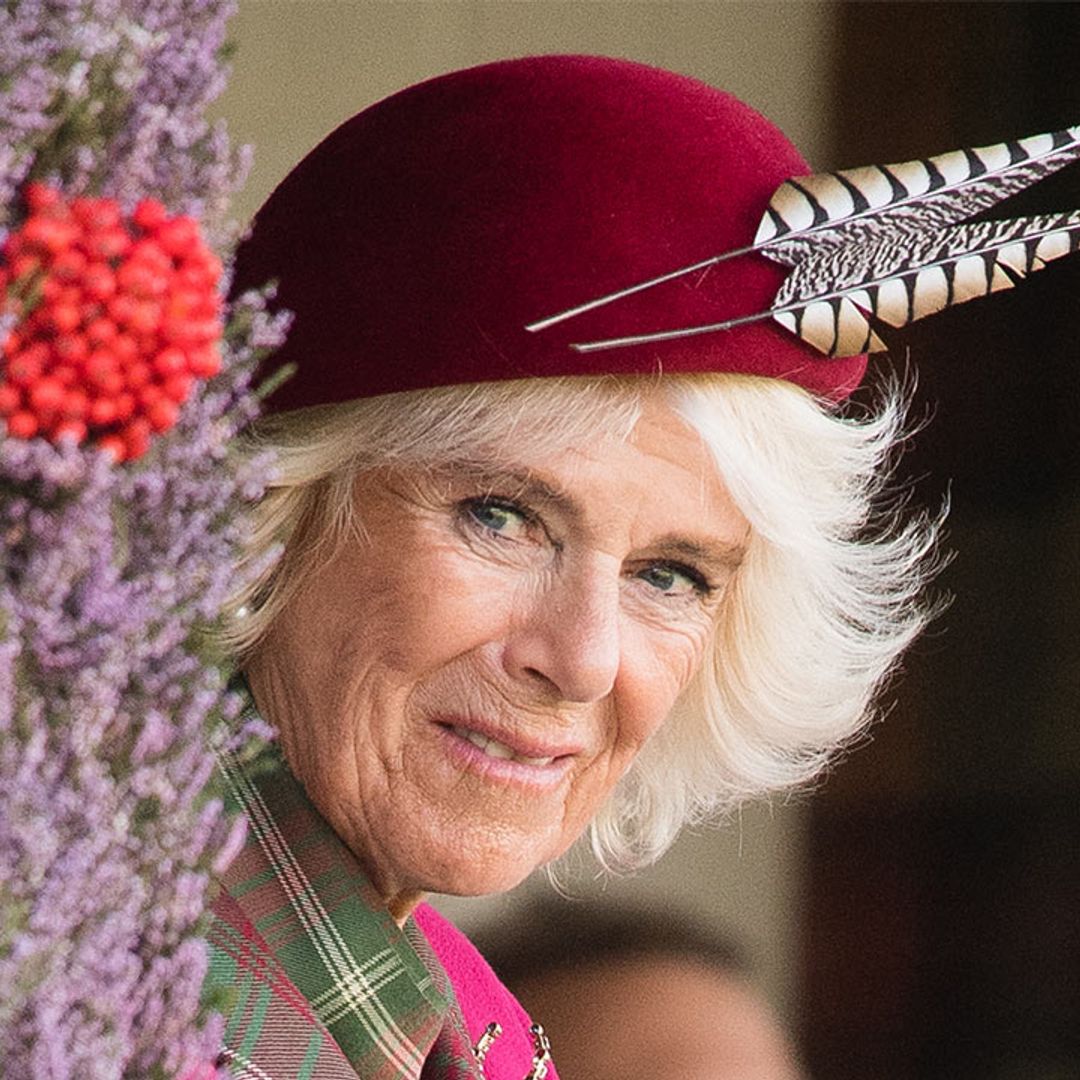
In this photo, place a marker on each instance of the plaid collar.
(296, 905)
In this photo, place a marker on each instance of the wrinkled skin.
(558, 606)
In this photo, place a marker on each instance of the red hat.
(418, 240)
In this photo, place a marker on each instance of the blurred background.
(917, 916)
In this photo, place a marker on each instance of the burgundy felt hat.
(418, 240)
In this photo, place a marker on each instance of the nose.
(568, 639)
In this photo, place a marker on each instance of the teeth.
(498, 750)
(494, 748)
(473, 736)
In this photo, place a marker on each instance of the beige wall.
(303, 66)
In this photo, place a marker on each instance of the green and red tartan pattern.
(326, 985)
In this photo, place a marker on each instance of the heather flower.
(109, 576)
(110, 96)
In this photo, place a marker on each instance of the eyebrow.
(719, 556)
(522, 482)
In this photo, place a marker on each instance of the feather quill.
(859, 215)
(899, 285)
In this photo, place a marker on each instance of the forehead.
(655, 479)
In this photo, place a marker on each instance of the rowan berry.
(114, 446)
(47, 235)
(22, 424)
(25, 368)
(110, 244)
(10, 399)
(46, 394)
(141, 279)
(204, 362)
(162, 414)
(98, 281)
(120, 308)
(63, 316)
(102, 412)
(117, 317)
(125, 349)
(170, 361)
(179, 236)
(149, 215)
(69, 264)
(178, 387)
(136, 436)
(137, 375)
(40, 196)
(145, 317)
(97, 215)
(125, 405)
(101, 331)
(100, 364)
(148, 396)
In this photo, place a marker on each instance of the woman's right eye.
(500, 517)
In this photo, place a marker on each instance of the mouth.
(499, 750)
(511, 747)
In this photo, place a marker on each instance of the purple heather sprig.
(109, 96)
(109, 578)
(106, 839)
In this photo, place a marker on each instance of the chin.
(479, 868)
(480, 877)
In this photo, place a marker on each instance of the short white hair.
(816, 617)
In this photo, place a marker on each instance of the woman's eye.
(499, 517)
(674, 580)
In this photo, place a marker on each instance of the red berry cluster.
(117, 317)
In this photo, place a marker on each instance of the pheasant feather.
(907, 198)
(862, 224)
(837, 313)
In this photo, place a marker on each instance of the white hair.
(816, 617)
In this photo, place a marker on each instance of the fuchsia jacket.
(482, 998)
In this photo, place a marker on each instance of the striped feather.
(842, 210)
(952, 266)
(835, 208)
(838, 269)
(899, 286)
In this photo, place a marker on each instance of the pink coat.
(482, 999)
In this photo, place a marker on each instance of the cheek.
(657, 667)
(430, 607)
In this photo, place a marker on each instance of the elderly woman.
(527, 593)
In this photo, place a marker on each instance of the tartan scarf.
(318, 981)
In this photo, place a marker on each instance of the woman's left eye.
(673, 579)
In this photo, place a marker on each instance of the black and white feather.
(836, 314)
(832, 209)
(884, 244)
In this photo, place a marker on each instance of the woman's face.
(461, 689)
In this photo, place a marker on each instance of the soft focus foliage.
(110, 575)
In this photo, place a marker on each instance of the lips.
(495, 749)
(508, 746)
